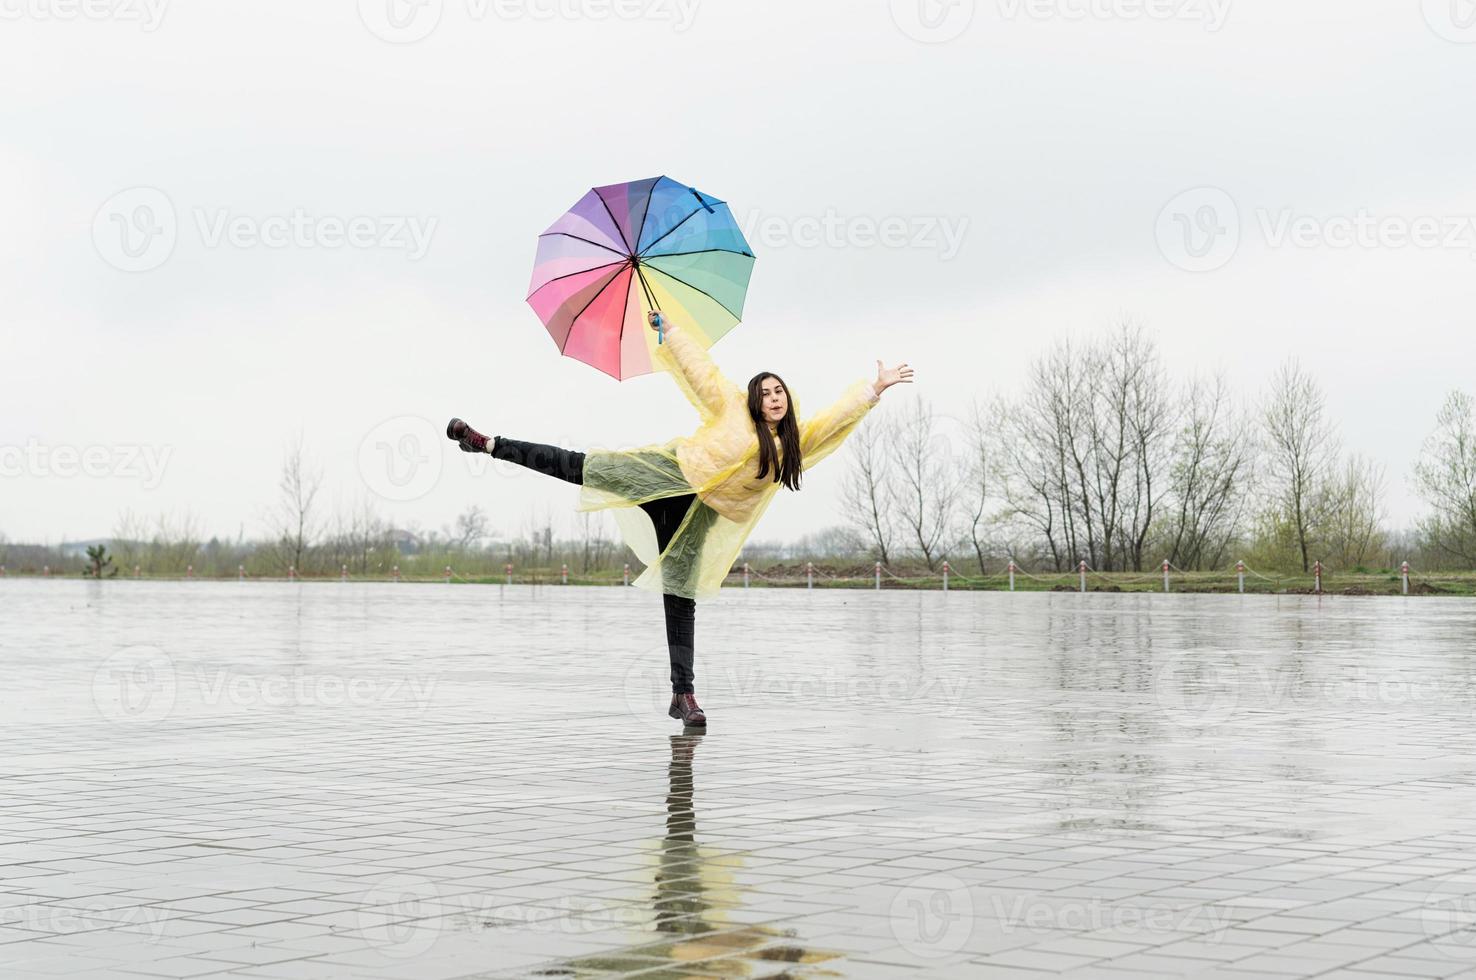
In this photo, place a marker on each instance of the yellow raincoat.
(719, 463)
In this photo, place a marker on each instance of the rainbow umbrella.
(626, 249)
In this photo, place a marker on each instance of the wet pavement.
(421, 781)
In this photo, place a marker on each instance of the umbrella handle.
(659, 331)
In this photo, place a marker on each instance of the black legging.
(666, 515)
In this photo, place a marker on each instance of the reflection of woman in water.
(693, 893)
(703, 494)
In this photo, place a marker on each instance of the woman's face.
(775, 400)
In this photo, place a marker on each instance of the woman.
(703, 494)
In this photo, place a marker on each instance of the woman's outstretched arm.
(823, 433)
(694, 369)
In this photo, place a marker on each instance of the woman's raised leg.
(551, 460)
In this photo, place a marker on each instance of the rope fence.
(1168, 577)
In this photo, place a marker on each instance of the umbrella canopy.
(625, 249)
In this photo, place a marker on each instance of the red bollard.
(945, 576)
(1403, 573)
(1317, 577)
(564, 574)
(189, 571)
(448, 574)
(1012, 576)
(292, 573)
(625, 576)
(508, 569)
(1240, 574)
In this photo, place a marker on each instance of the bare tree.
(130, 539)
(1083, 451)
(927, 481)
(1445, 477)
(471, 527)
(1354, 517)
(1038, 453)
(1209, 477)
(1132, 424)
(978, 477)
(595, 545)
(868, 493)
(1302, 449)
(295, 520)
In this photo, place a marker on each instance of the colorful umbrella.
(626, 249)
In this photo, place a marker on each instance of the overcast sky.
(227, 221)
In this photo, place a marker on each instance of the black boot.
(469, 439)
(684, 706)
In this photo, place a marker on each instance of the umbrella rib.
(583, 309)
(593, 268)
(697, 288)
(577, 238)
(699, 251)
(646, 213)
(575, 322)
(672, 229)
(646, 288)
(618, 230)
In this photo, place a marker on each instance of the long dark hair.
(787, 470)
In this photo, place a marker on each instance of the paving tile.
(1081, 808)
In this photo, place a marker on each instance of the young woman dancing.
(703, 494)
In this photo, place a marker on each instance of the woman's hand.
(886, 377)
(666, 324)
